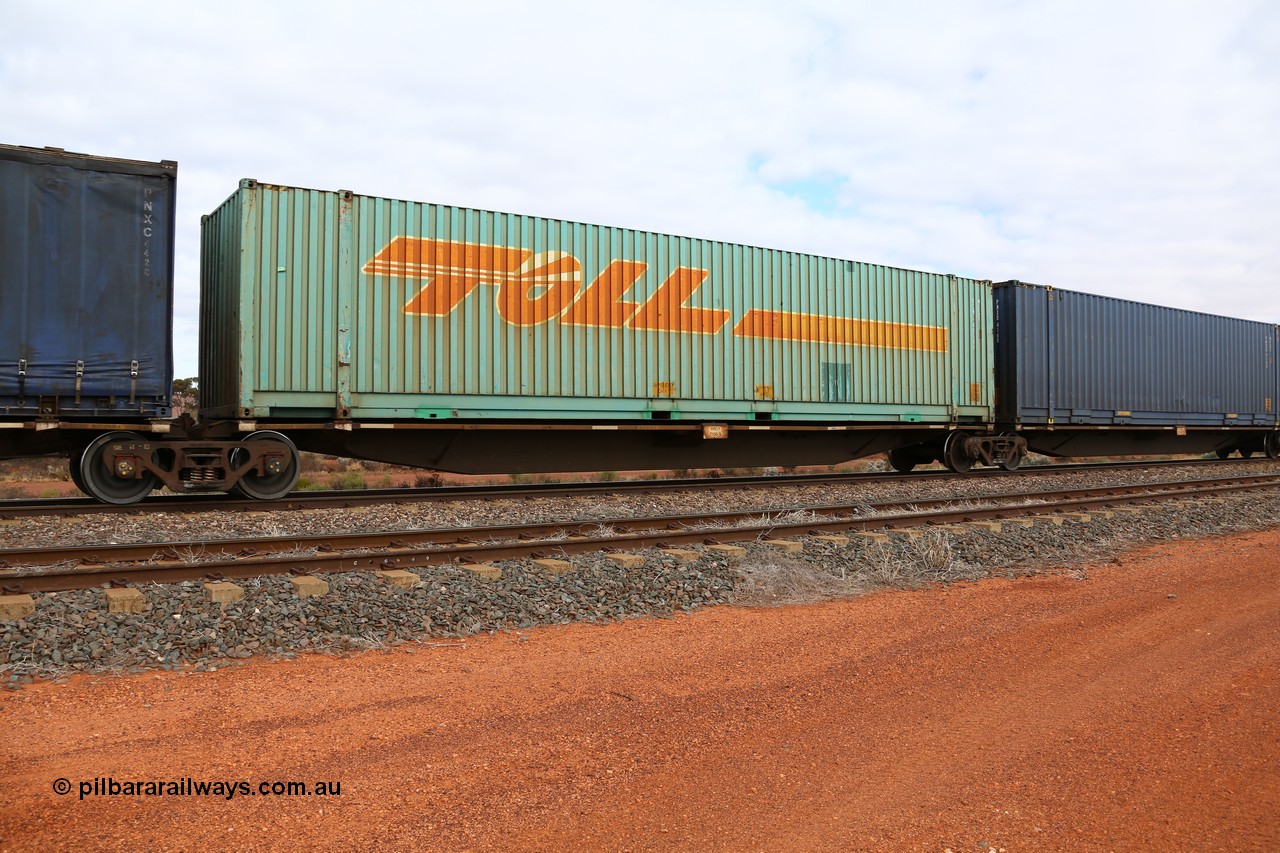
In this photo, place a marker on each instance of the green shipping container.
(330, 306)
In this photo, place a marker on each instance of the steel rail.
(402, 557)
(364, 497)
(187, 550)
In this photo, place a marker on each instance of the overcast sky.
(1127, 148)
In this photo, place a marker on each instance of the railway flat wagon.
(474, 341)
(1088, 375)
(86, 295)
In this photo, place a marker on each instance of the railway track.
(366, 497)
(82, 567)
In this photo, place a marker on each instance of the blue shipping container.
(1065, 358)
(86, 285)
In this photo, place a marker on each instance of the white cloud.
(1118, 148)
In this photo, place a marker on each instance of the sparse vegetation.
(770, 579)
(185, 396)
(348, 480)
(38, 469)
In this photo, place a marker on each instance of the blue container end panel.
(86, 285)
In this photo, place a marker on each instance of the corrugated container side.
(1064, 357)
(86, 285)
(220, 244)
(396, 309)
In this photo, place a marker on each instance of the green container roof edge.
(253, 183)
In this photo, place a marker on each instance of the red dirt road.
(1047, 713)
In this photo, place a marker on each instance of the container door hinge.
(79, 380)
(133, 382)
(22, 378)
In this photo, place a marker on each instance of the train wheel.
(901, 461)
(1222, 453)
(73, 465)
(1272, 445)
(1246, 452)
(276, 483)
(953, 455)
(111, 486)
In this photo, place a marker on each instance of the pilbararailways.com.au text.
(108, 786)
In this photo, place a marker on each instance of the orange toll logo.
(452, 270)
(534, 288)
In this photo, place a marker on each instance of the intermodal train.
(472, 341)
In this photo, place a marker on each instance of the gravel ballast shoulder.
(72, 631)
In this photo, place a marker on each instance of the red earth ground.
(1067, 711)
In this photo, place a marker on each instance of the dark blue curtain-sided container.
(86, 285)
(1066, 358)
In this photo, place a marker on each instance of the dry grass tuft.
(918, 561)
(770, 580)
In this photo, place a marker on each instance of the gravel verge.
(72, 632)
